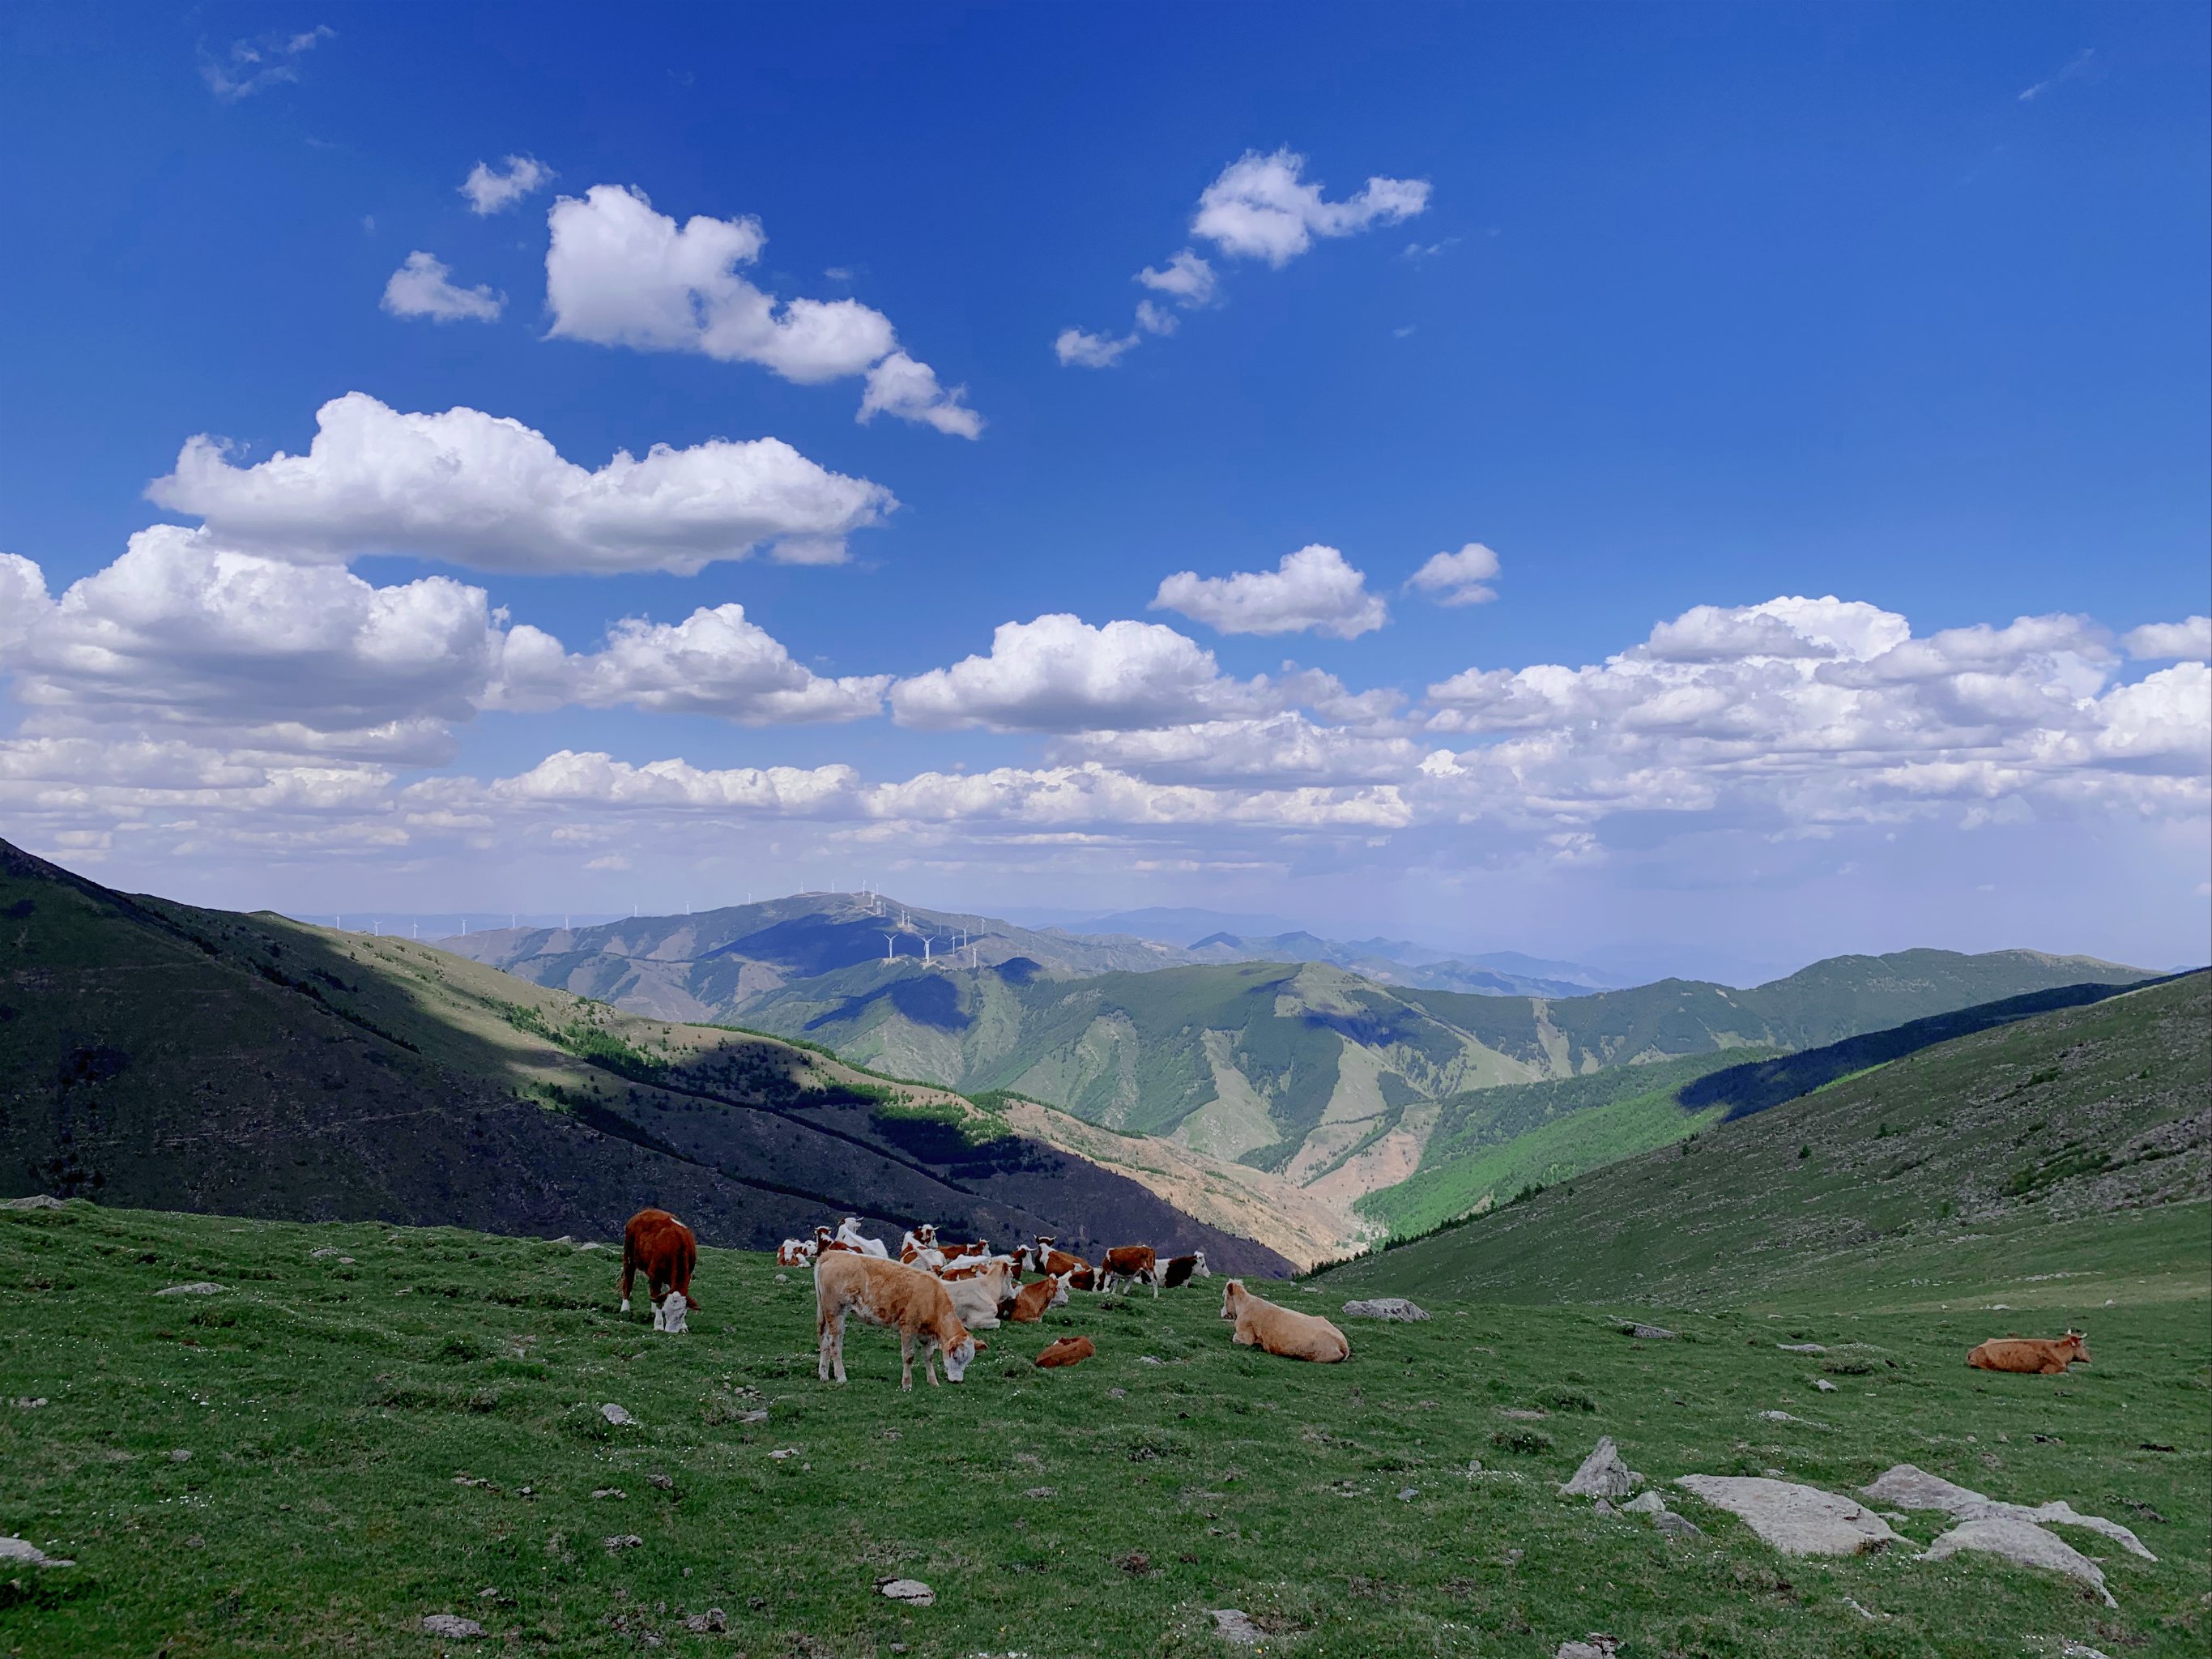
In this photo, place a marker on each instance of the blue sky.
(1670, 307)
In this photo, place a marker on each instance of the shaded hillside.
(155, 1054)
(2035, 1123)
(1329, 1079)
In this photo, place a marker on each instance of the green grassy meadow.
(416, 1430)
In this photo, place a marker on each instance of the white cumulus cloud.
(493, 494)
(423, 287)
(1077, 348)
(489, 189)
(1058, 674)
(619, 273)
(2156, 642)
(1186, 277)
(1261, 207)
(1461, 578)
(256, 64)
(1315, 589)
(901, 387)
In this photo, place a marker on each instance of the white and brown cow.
(656, 1243)
(1179, 1270)
(1138, 1264)
(896, 1298)
(982, 1295)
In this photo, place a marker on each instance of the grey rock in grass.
(27, 1403)
(1603, 1507)
(1647, 1333)
(712, 1622)
(1602, 1474)
(1231, 1625)
(1910, 1488)
(1393, 1308)
(1677, 1526)
(35, 1201)
(912, 1591)
(1801, 1347)
(616, 1415)
(22, 1551)
(2023, 1543)
(1824, 1385)
(617, 1542)
(180, 1455)
(1407, 1494)
(1649, 1502)
(198, 1287)
(1592, 1646)
(1793, 1519)
(452, 1624)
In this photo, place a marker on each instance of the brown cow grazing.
(1261, 1324)
(883, 1293)
(1179, 1270)
(663, 1247)
(2037, 1355)
(1066, 1350)
(1136, 1263)
(1032, 1301)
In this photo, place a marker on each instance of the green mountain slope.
(1337, 1082)
(2030, 1131)
(155, 1054)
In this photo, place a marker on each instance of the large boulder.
(1793, 1519)
(1906, 1487)
(2024, 1543)
(1602, 1474)
(1395, 1308)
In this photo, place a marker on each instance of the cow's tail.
(690, 1267)
(629, 1264)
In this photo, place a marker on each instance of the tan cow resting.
(1261, 1324)
(982, 1296)
(1068, 1351)
(904, 1299)
(2037, 1355)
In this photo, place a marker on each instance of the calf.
(918, 1249)
(1180, 1270)
(664, 1247)
(1137, 1263)
(983, 1297)
(2037, 1355)
(1261, 1324)
(1032, 1301)
(896, 1298)
(796, 1252)
(1066, 1350)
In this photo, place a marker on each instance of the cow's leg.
(629, 1271)
(906, 1359)
(1154, 1275)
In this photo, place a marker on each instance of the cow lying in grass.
(1066, 1350)
(883, 1293)
(1261, 1324)
(662, 1247)
(1031, 1300)
(2036, 1356)
(981, 1295)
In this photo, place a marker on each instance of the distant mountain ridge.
(157, 1055)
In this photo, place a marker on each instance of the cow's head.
(959, 1353)
(668, 1317)
(822, 1235)
(1232, 1297)
(925, 1235)
(2074, 1346)
(1198, 1268)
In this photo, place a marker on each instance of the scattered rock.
(1136, 1564)
(1648, 1502)
(1118, 1394)
(783, 1279)
(1601, 1507)
(1150, 1359)
(609, 1492)
(1042, 1491)
(1824, 1385)
(664, 1482)
(1407, 1494)
(36, 1202)
(712, 1622)
(2024, 1543)
(1231, 1625)
(1863, 1613)
(1910, 1488)
(1801, 1347)
(26, 1404)
(1474, 1466)
(1795, 1520)
(180, 1455)
(1523, 1413)
(1396, 1308)
(198, 1287)
(1647, 1333)
(616, 1415)
(1602, 1474)
(757, 1415)
(618, 1541)
(782, 1452)
(1592, 1646)
(912, 1591)
(322, 1252)
(594, 1245)
(452, 1624)
(23, 1552)
(1677, 1526)
(1777, 1417)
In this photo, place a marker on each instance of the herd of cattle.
(937, 1295)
